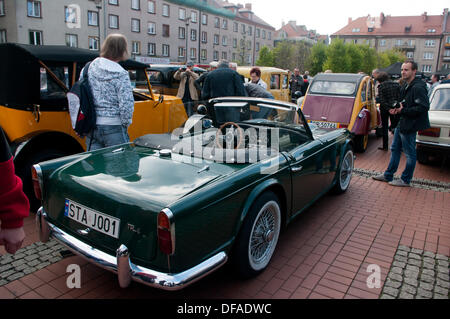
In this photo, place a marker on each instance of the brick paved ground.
(325, 253)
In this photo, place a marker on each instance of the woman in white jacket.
(113, 94)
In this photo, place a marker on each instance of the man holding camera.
(413, 112)
(187, 91)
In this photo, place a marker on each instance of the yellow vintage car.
(277, 80)
(34, 111)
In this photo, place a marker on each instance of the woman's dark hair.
(257, 71)
(382, 77)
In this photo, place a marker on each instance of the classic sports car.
(337, 100)
(436, 139)
(168, 209)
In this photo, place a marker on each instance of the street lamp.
(187, 35)
(98, 5)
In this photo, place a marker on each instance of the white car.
(436, 139)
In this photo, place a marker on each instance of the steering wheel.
(230, 135)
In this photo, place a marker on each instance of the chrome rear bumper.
(121, 264)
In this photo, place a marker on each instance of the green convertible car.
(168, 209)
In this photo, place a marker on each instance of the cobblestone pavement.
(417, 274)
(28, 260)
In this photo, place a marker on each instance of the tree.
(265, 58)
(337, 59)
(390, 57)
(302, 51)
(284, 55)
(317, 58)
(355, 57)
(369, 59)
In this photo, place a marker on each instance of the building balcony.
(405, 46)
(446, 58)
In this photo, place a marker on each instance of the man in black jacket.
(413, 113)
(223, 82)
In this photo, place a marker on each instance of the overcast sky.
(329, 16)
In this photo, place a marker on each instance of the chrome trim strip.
(128, 271)
(428, 143)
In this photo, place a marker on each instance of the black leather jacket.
(414, 115)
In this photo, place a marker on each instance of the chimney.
(240, 6)
(424, 16)
(382, 18)
(248, 6)
(350, 20)
(445, 21)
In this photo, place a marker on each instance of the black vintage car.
(161, 77)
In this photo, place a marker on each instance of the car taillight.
(432, 131)
(36, 178)
(166, 232)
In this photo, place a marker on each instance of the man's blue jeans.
(407, 144)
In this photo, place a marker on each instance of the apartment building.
(158, 31)
(422, 38)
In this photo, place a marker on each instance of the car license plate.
(101, 222)
(325, 124)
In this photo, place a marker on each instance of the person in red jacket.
(14, 205)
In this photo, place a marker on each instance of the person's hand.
(12, 239)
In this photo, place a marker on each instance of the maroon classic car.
(341, 100)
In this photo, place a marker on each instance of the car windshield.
(333, 87)
(255, 113)
(441, 100)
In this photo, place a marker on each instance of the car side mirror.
(202, 110)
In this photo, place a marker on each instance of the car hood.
(139, 176)
(439, 118)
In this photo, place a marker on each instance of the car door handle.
(297, 168)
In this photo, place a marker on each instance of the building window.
(224, 55)
(398, 42)
(430, 43)
(233, 57)
(151, 8)
(426, 68)
(193, 35)
(243, 28)
(114, 2)
(113, 21)
(382, 43)
(93, 18)
(257, 33)
(136, 4)
(34, 9)
(257, 46)
(136, 47)
(225, 24)
(72, 40)
(249, 45)
(204, 19)
(151, 28)
(151, 49)
(165, 50)
(224, 40)
(135, 25)
(2, 7)
(181, 33)
(447, 39)
(217, 22)
(250, 30)
(203, 54)
(182, 14)
(204, 37)
(234, 43)
(193, 54)
(70, 14)
(216, 39)
(410, 55)
(166, 10)
(193, 16)
(2, 36)
(356, 30)
(35, 37)
(235, 26)
(263, 34)
(166, 30)
(431, 31)
(269, 35)
(93, 43)
(447, 53)
(428, 55)
(216, 55)
(181, 52)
